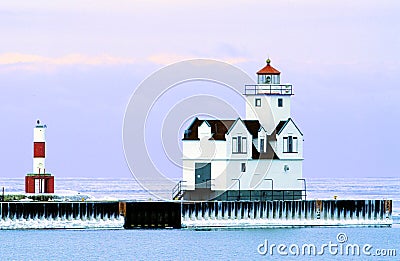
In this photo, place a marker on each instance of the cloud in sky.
(37, 62)
(168, 58)
(24, 61)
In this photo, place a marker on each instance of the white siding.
(204, 131)
(204, 149)
(269, 114)
(188, 175)
(38, 163)
(263, 113)
(283, 180)
(218, 174)
(258, 170)
(39, 134)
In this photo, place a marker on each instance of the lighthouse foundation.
(35, 183)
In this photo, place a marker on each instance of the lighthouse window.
(243, 167)
(239, 144)
(258, 102)
(244, 145)
(280, 102)
(290, 144)
(261, 145)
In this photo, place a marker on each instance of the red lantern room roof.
(268, 69)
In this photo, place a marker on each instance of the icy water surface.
(213, 244)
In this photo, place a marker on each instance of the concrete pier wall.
(195, 214)
(49, 215)
(74, 210)
(287, 213)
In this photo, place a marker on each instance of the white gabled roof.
(233, 125)
(282, 125)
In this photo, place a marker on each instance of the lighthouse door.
(203, 175)
(40, 185)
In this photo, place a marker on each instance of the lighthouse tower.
(268, 101)
(39, 181)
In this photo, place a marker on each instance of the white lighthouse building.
(39, 181)
(257, 158)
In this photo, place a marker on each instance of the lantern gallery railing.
(277, 89)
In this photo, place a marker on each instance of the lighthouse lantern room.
(39, 181)
(268, 74)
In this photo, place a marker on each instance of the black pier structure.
(194, 214)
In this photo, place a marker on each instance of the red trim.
(50, 185)
(29, 185)
(39, 150)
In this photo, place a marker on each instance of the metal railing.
(280, 89)
(39, 174)
(177, 191)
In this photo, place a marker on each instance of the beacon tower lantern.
(39, 181)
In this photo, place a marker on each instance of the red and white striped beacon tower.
(39, 181)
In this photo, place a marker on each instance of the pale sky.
(75, 64)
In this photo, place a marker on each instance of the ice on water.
(129, 189)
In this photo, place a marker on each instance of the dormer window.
(290, 144)
(239, 144)
(262, 145)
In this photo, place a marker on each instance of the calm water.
(199, 245)
(184, 244)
